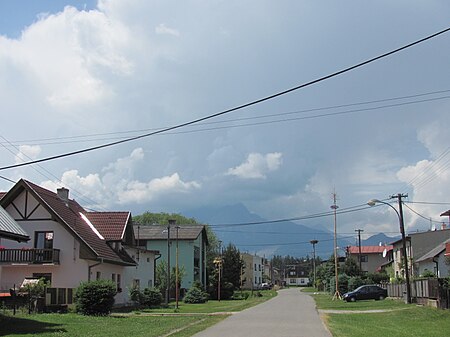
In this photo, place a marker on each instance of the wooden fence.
(423, 291)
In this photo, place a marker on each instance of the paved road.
(290, 314)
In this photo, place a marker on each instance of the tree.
(232, 264)
(149, 218)
(351, 268)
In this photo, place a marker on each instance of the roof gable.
(111, 225)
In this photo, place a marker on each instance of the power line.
(90, 137)
(239, 107)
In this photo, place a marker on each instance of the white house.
(435, 261)
(69, 244)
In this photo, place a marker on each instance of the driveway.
(291, 313)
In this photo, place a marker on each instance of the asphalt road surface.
(290, 314)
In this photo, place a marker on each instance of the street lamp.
(373, 202)
(177, 288)
(171, 222)
(314, 242)
(337, 294)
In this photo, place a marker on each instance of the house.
(252, 277)
(418, 245)
(296, 275)
(435, 261)
(373, 258)
(191, 241)
(69, 244)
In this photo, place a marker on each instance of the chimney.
(63, 194)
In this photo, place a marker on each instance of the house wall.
(185, 258)
(297, 281)
(253, 276)
(374, 261)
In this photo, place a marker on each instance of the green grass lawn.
(401, 320)
(132, 324)
(324, 301)
(216, 306)
(74, 325)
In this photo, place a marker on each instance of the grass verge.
(131, 324)
(399, 319)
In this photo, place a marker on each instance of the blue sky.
(89, 73)
(17, 15)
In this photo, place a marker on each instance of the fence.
(422, 291)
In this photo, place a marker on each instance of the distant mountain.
(376, 239)
(232, 224)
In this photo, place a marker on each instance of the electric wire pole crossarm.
(399, 213)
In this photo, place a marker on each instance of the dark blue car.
(366, 292)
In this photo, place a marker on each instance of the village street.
(291, 313)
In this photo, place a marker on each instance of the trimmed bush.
(95, 298)
(148, 297)
(195, 295)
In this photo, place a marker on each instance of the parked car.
(266, 286)
(366, 292)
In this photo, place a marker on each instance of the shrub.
(354, 282)
(148, 297)
(151, 297)
(95, 298)
(195, 295)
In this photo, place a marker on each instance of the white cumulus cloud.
(27, 153)
(257, 166)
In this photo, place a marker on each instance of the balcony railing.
(29, 256)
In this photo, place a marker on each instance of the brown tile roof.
(111, 225)
(368, 249)
(69, 215)
(159, 232)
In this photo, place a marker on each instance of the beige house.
(253, 272)
(372, 257)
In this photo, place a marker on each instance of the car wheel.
(352, 299)
(381, 297)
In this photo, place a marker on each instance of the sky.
(78, 74)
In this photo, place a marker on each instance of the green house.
(191, 241)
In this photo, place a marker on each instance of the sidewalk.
(290, 314)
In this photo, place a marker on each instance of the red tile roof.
(69, 216)
(111, 225)
(368, 249)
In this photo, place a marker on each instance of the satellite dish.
(384, 252)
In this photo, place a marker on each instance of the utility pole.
(314, 242)
(399, 197)
(334, 207)
(359, 245)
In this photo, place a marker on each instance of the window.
(119, 287)
(255, 266)
(43, 240)
(256, 279)
(46, 276)
(98, 276)
(113, 277)
(259, 267)
(292, 280)
(364, 258)
(136, 283)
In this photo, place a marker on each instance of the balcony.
(29, 256)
